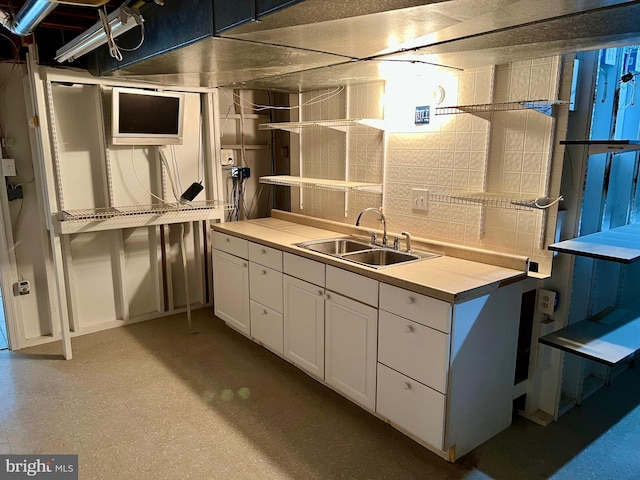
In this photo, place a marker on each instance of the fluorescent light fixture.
(120, 21)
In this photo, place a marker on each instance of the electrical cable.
(183, 251)
(312, 101)
(176, 170)
(135, 172)
(548, 204)
(137, 46)
(167, 167)
(200, 155)
(114, 51)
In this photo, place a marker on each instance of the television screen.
(146, 118)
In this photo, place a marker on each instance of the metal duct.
(28, 18)
(34, 11)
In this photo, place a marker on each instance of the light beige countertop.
(449, 277)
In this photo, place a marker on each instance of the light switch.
(420, 199)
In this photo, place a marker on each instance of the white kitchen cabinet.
(350, 348)
(440, 372)
(304, 325)
(231, 290)
(412, 406)
(266, 327)
(265, 292)
(447, 363)
(420, 352)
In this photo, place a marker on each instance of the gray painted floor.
(154, 401)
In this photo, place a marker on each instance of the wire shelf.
(106, 213)
(497, 200)
(340, 124)
(542, 106)
(319, 183)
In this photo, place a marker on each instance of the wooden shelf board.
(609, 340)
(605, 146)
(621, 244)
(306, 182)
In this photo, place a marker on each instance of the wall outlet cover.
(420, 199)
(9, 167)
(227, 157)
(547, 301)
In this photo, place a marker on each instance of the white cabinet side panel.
(91, 271)
(482, 367)
(140, 275)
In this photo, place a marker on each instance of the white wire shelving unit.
(546, 107)
(340, 124)
(320, 183)
(111, 218)
(496, 200)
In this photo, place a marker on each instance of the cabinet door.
(411, 406)
(266, 327)
(231, 290)
(304, 325)
(265, 286)
(350, 354)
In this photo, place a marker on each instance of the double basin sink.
(364, 253)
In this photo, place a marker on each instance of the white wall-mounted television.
(145, 117)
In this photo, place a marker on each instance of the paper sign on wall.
(422, 115)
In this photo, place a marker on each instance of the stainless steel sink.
(380, 257)
(336, 246)
(364, 253)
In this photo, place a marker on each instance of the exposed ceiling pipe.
(34, 11)
(28, 18)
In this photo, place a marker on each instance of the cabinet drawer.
(352, 285)
(417, 409)
(414, 306)
(267, 256)
(265, 286)
(419, 352)
(267, 327)
(230, 244)
(304, 269)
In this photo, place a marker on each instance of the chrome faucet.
(384, 224)
(407, 240)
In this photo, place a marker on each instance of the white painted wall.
(29, 233)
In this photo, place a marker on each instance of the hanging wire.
(135, 172)
(323, 97)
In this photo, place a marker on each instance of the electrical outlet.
(227, 157)
(420, 199)
(547, 301)
(23, 287)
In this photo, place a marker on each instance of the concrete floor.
(154, 401)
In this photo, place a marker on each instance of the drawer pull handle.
(245, 265)
(264, 272)
(408, 329)
(326, 296)
(263, 252)
(320, 293)
(410, 300)
(227, 239)
(406, 386)
(264, 312)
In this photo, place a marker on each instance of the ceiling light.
(120, 21)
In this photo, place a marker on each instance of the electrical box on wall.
(9, 167)
(547, 301)
(227, 157)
